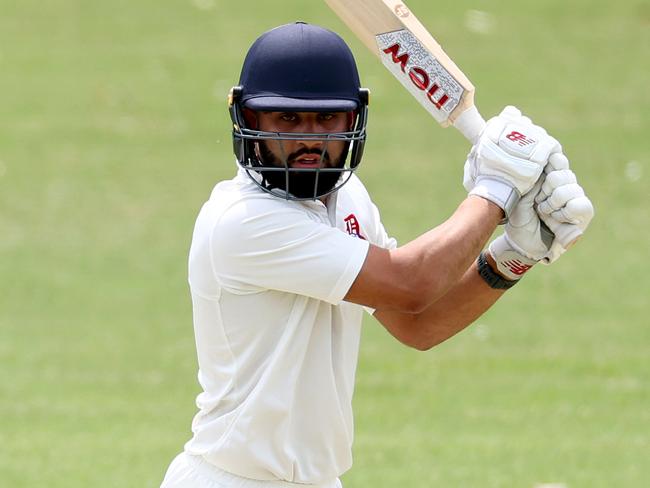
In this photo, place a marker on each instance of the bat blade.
(393, 33)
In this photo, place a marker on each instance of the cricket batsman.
(287, 255)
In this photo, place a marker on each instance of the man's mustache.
(324, 155)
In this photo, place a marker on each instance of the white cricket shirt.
(277, 347)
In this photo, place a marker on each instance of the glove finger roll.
(578, 211)
(557, 178)
(511, 112)
(557, 161)
(560, 198)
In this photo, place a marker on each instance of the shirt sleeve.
(256, 246)
(382, 239)
(378, 235)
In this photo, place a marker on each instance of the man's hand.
(524, 241)
(508, 159)
(561, 205)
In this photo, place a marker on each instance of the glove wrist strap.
(497, 191)
(492, 278)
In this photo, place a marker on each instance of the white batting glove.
(563, 206)
(557, 201)
(508, 159)
(524, 242)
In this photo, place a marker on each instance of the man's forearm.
(458, 308)
(441, 255)
(410, 278)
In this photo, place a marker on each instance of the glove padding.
(562, 204)
(524, 242)
(508, 159)
(545, 222)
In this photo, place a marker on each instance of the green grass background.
(113, 130)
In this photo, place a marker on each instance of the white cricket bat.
(390, 30)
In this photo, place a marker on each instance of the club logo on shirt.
(352, 226)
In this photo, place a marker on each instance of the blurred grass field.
(113, 130)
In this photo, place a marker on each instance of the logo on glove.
(517, 267)
(520, 138)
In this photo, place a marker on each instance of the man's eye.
(288, 117)
(326, 116)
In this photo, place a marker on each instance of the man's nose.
(311, 125)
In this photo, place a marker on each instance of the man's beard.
(302, 184)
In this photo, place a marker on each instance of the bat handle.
(470, 123)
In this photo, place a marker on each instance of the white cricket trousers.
(188, 471)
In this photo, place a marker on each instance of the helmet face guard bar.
(308, 183)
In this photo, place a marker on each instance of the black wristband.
(491, 277)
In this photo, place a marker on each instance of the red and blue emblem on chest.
(352, 226)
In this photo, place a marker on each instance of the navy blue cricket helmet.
(298, 67)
